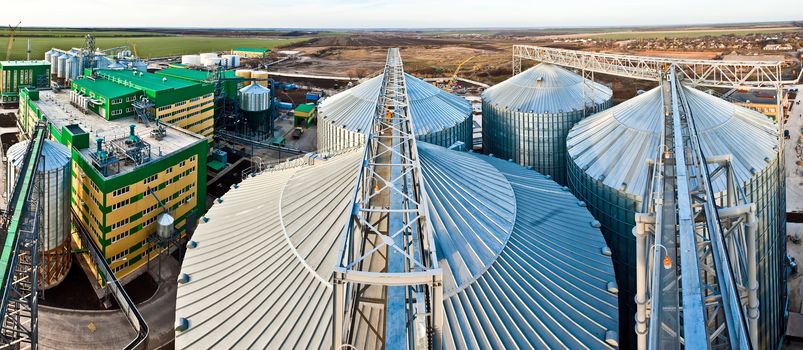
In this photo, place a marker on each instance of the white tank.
(209, 62)
(73, 68)
(232, 61)
(208, 55)
(164, 226)
(54, 169)
(54, 62)
(191, 60)
(61, 67)
(254, 98)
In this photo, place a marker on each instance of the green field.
(688, 34)
(147, 47)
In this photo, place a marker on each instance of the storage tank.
(73, 68)
(48, 54)
(607, 169)
(164, 226)
(54, 63)
(244, 73)
(191, 60)
(260, 74)
(232, 61)
(438, 117)
(527, 117)
(208, 55)
(254, 103)
(211, 62)
(54, 169)
(61, 68)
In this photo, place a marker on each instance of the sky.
(391, 14)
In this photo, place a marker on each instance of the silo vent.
(595, 224)
(236, 185)
(606, 250)
(564, 189)
(581, 204)
(548, 177)
(205, 219)
(510, 160)
(183, 278)
(767, 159)
(220, 200)
(613, 288)
(623, 187)
(182, 324)
(192, 244)
(164, 79)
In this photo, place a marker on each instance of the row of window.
(119, 191)
(119, 256)
(119, 224)
(120, 204)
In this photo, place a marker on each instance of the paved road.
(794, 174)
(70, 329)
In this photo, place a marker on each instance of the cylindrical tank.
(164, 226)
(61, 68)
(244, 73)
(254, 98)
(232, 61)
(260, 74)
(54, 171)
(607, 169)
(54, 63)
(209, 62)
(208, 55)
(191, 60)
(527, 117)
(438, 117)
(73, 68)
(48, 54)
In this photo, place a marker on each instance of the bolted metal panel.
(607, 169)
(527, 117)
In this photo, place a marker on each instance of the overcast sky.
(391, 14)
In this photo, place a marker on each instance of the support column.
(640, 231)
(338, 312)
(752, 280)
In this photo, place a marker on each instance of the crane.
(11, 32)
(450, 84)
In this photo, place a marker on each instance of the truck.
(297, 132)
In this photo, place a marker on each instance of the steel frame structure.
(388, 248)
(707, 296)
(764, 75)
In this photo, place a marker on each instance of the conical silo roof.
(524, 265)
(614, 145)
(54, 155)
(433, 110)
(546, 88)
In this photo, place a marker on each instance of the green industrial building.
(108, 99)
(17, 74)
(230, 87)
(250, 52)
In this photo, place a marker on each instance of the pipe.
(640, 231)
(752, 290)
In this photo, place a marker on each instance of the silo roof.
(432, 109)
(614, 145)
(255, 89)
(546, 88)
(55, 155)
(524, 261)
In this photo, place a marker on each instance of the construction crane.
(387, 260)
(689, 241)
(453, 80)
(11, 32)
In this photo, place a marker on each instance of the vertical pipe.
(437, 312)
(752, 290)
(337, 309)
(640, 231)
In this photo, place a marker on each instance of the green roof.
(24, 63)
(216, 165)
(105, 88)
(305, 108)
(148, 81)
(190, 74)
(251, 49)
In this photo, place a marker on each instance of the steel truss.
(387, 258)
(703, 290)
(711, 73)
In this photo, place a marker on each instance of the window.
(117, 112)
(117, 101)
(119, 224)
(129, 109)
(150, 179)
(120, 191)
(169, 170)
(120, 204)
(183, 163)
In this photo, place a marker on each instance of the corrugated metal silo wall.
(616, 212)
(332, 137)
(530, 139)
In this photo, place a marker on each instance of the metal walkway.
(387, 258)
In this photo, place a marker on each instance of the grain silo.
(527, 117)
(244, 73)
(254, 104)
(607, 169)
(524, 264)
(54, 245)
(438, 117)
